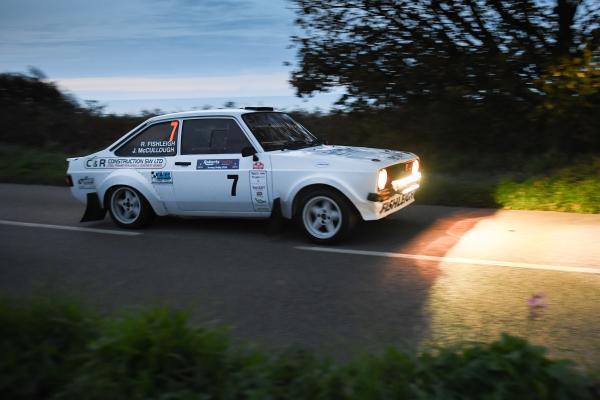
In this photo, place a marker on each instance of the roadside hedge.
(60, 350)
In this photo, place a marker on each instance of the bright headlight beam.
(382, 179)
(407, 180)
(415, 166)
(411, 188)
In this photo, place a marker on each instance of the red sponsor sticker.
(258, 165)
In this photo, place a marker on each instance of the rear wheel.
(128, 208)
(326, 216)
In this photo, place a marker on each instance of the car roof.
(230, 112)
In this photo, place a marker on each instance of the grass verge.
(60, 350)
(571, 189)
(25, 165)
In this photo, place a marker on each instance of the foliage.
(58, 350)
(21, 164)
(140, 356)
(492, 70)
(507, 368)
(35, 113)
(465, 190)
(573, 189)
(41, 346)
(390, 51)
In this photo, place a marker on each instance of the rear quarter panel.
(99, 180)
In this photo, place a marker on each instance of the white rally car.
(250, 162)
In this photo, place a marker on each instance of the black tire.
(317, 199)
(143, 216)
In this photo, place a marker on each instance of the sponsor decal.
(131, 162)
(258, 165)
(86, 182)
(228, 163)
(258, 187)
(161, 177)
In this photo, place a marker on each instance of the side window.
(212, 136)
(156, 140)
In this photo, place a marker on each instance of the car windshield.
(278, 131)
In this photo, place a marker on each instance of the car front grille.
(398, 171)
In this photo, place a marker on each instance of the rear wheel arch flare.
(136, 213)
(107, 194)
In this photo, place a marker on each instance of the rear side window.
(212, 136)
(156, 140)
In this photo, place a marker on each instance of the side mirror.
(249, 151)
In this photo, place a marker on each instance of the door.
(210, 174)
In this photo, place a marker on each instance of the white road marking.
(457, 260)
(68, 228)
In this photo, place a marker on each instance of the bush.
(155, 352)
(42, 345)
(25, 165)
(58, 350)
(573, 189)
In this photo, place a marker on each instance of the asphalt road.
(427, 275)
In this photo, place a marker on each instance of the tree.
(386, 53)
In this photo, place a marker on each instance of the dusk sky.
(146, 54)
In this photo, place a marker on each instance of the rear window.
(212, 136)
(156, 140)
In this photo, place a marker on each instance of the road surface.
(427, 275)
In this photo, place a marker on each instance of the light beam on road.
(457, 260)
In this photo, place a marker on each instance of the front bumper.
(402, 185)
(394, 198)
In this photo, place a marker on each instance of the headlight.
(415, 166)
(382, 179)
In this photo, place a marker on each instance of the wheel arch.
(295, 204)
(134, 181)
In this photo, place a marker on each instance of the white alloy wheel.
(125, 205)
(322, 217)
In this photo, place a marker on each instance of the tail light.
(69, 180)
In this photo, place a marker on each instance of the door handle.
(183, 163)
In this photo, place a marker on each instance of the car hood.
(360, 153)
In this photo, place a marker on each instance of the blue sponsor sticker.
(228, 163)
(161, 177)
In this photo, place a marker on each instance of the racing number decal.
(234, 183)
(174, 124)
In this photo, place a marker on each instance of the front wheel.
(128, 208)
(326, 216)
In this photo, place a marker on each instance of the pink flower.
(537, 300)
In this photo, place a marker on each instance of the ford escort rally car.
(251, 162)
